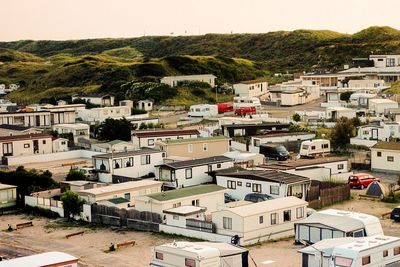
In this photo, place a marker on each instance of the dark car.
(395, 215)
(273, 151)
(255, 197)
(228, 198)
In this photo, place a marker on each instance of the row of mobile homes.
(276, 184)
(130, 164)
(333, 223)
(47, 259)
(203, 111)
(374, 251)
(191, 172)
(199, 254)
(316, 147)
(148, 138)
(385, 157)
(252, 88)
(174, 81)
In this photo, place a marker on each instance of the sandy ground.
(47, 235)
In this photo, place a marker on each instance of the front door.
(35, 146)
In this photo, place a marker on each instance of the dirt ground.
(48, 235)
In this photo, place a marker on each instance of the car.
(274, 151)
(361, 180)
(228, 198)
(395, 214)
(256, 197)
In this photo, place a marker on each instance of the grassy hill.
(60, 68)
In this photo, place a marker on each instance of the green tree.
(346, 96)
(72, 204)
(342, 132)
(75, 175)
(296, 117)
(112, 129)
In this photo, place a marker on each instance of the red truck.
(243, 111)
(224, 107)
(362, 180)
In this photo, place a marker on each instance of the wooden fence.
(323, 194)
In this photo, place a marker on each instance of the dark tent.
(376, 189)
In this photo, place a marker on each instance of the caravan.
(203, 110)
(316, 147)
(241, 102)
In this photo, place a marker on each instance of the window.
(219, 165)
(205, 147)
(239, 183)
(190, 148)
(117, 163)
(287, 216)
(176, 205)
(256, 188)
(163, 155)
(261, 219)
(390, 158)
(179, 137)
(210, 168)
(27, 145)
(248, 184)
(196, 202)
(145, 159)
(44, 142)
(256, 142)
(274, 218)
(325, 146)
(366, 260)
(150, 142)
(127, 196)
(129, 162)
(188, 173)
(159, 256)
(63, 143)
(396, 251)
(175, 217)
(274, 190)
(190, 262)
(312, 147)
(231, 184)
(300, 213)
(340, 166)
(385, 253)
(227, 222)
(343, 262)
(379, 154)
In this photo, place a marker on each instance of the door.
(304, 260)
(37, 120)
(35, 146)
(374, 134)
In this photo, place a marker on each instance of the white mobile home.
(174, 81)
(203, 110)
(242, 102)
(53, 259)
(148, 138)
(385, 157)
(199, 254)
(312, 148)
(381, 106)
(252, 88)
(333, 223)
(335, 113)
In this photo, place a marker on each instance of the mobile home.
(240, 102)
(312, 148)
(203, 110)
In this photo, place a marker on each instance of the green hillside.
(61, 68)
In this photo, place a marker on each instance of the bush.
(136, 111)
(296, 117)
(75, 175)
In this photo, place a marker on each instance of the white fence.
(74, 154)
(45, 203)
(194, 234)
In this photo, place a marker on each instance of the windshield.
(281, 149)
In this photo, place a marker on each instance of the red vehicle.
(362, 180)
(224, 107)
(243, 111)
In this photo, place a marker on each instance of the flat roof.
(14, 127)
(40, 260)
(258, 125)
(368, 242)
(266, 206)
(253, 81)
(142, 151)
(7, 186)
(278, 133)
(387, 145)
(185, 210)
(197, 162)
(72, 125)
(190, 76)
(186, 192)
(119, 187)
(24, 137)
(301, 163)
(263, 175)
(372, 70)
(382, 100)
(199, 139)
(160, 133)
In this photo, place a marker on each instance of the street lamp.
(323, 145)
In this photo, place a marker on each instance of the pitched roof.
(263, 175)
(342, 223)
(24, 137)
(143, 134)
(387, 145)
(197, 162)
(186, 192)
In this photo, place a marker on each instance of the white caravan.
(199, 254)
(203, 110)
(241, 102)
(316, 147)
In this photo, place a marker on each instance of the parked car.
(362, 180)
(274, 151)
(395, 215)
(225, 107)
(256, 197)
(244, 111)
(228, 198)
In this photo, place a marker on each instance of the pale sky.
(82, 19)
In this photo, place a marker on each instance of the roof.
(160, 133)
(185, 210)
(190, 76)
(326, 245)
(120, 187)
(253, 81)
(92, 95)
(279, 133)
(186, 192)
(302, 163)
(14, 127)
(378, 70)
(263, 175)
(72, 125)
(42, 259)
(387, 146)
(111, 143)
(382, 101)
(7, 186)
(199, 139)
(368, 242)
(197, 162)
(24, 137)
(118, 200)
(266, 206)
(258, 125)
(142, 151)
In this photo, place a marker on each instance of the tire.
(362, 187)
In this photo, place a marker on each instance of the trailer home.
(199, 254)
(240, 102)
(203, 110)
(316, 147)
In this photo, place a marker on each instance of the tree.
(345, 96)
(72, 204)
(342, 132)
(296, 117)
(112, 129)
(75, 175)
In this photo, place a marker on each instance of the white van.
(203, 110)
(316, 147)
(240, 102)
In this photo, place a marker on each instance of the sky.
(83, 19)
